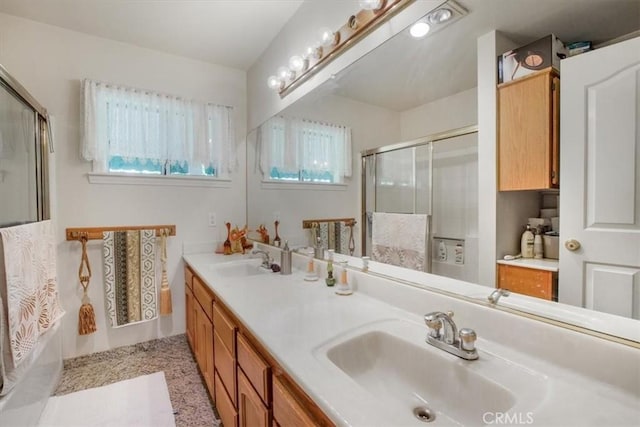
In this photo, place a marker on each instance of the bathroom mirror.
(24, 135)
(408, 89)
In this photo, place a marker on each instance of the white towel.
(31, 294)
(399, 239)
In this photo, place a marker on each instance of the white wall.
(50, 62)
(455, 111)
(371, 127)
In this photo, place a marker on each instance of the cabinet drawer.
(225, 365)
(226, 329)
(203, 295)
(228, 413)
(527, 281)
(254, 367)
(188, 277)
(252, 412)
(286, 410)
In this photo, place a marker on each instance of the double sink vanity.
(278, 350)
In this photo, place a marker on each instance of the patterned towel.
(333, 235)
(399, 239)
(130, 279)
(31, 293)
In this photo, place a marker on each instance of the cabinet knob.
(572, 245)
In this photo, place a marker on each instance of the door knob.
(572, 245)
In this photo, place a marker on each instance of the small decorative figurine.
(330, 280)
(264, 234)
(227, 243)
(238, 239)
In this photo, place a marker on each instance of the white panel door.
(600, 179)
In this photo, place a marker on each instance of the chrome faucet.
(266, 258)
(443, 333)
(494, 297)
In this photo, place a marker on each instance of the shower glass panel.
(18, 159)
(395, 181)
(436, 176)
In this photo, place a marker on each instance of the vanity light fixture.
(419, 29)
(333, 43)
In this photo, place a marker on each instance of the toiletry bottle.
(330, 280)
(343, 287)
(311, 275)
(526, 243)
(537, 245)
(285, 259)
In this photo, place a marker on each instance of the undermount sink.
(241, 268)
(391, 361)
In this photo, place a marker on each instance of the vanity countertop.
(296, 321)
(546, 264)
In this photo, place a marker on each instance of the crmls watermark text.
(505, 418)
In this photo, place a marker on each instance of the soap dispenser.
(285, 259)
(311, 275)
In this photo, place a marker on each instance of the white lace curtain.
(292, 145)
(139, 125)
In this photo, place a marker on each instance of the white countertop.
(539, 264)
(294, 320)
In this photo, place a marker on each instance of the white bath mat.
(138, 402)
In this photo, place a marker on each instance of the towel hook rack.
(95, 233)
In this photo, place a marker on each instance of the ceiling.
(232, 33)
(405, 72)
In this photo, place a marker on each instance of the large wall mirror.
(411, 110)
(24, 135)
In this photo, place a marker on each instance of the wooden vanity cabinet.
(528, 132)
(528, 281)
(243, 386)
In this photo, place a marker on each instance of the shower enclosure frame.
(422, 141)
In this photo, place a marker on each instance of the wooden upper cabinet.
(528, 132)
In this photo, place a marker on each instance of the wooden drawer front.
(203, 295)
(255, 368)
(251, 410)
(225, 365)
(527, 281)
(286, 410)
(188, 277)
(225, 408)
(226, 329)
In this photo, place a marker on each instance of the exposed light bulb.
(285, 74)
(328, 37)
(297, 63)
(419, 29)
(313, 52)
(371, 4)
(274, 82)
(439, 16)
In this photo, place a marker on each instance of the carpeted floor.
(189, 397)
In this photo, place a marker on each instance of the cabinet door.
(207, 355)
(286, 409)
(526, 133)
(251, 410)
(188, 300)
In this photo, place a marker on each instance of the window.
(304, 150)
(132, 131)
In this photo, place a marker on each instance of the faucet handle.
(468, 339)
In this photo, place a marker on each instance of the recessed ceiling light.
(419, 29)
(439, 16)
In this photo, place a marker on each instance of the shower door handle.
(429, 245)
